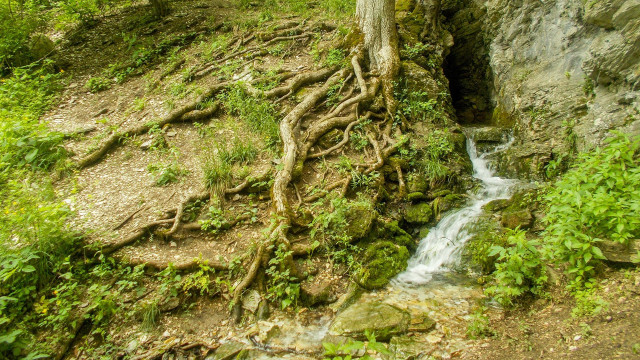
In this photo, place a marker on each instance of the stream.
(429, 286)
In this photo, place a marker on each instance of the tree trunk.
(160, 7)
(377, 22)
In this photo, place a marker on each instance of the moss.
(381, 261)
(360, 219)
(414, 196)
(391, 231)
(418, 213)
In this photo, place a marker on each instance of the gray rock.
(523, 219)
(251, 300)
(617, 252)
(146, 145)
(315, 293)
(263, 312)
(600, 13)
(629, 11)
(407, 348)
(383, 319)
(230, 350)
(41, 46)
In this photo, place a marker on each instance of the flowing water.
(442, 246)
(428, 286)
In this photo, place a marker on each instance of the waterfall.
(442, 246)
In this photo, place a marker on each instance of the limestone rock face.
(618, 252)
(560, 73)
(384, 319)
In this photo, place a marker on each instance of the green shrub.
(519, 269)
(97, 84)
(597, 199)
(259, 114)
(164, 174)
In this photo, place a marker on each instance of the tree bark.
(377, 22)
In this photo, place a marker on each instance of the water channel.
(430, 285)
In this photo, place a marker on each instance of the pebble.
(622, 300)
(171, 133)
(573, 348)
(577, 337)
(166, 333)
(609, 318)
(173, 244)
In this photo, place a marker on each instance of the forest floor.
(157, 63)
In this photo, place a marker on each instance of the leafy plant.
(597, 199)
(353, 349)
(519, 269)
(165, 174)
(97, 83)
(479, 326)
(281, 286)
(588, 302)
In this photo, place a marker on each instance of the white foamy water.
(442, 246)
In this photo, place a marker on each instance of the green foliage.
(97, 83)
(486, 234)
(588, 87)
(415, 51)
(241, 152)
(417, 106)
(281, 286)
(217, 173)
(200, 281)
(519, 269)
(335, 57)
(259, 114)
(353, 349)
(215, 222)
(479, 326)
(24, 141)
(164, 174)
(14, 37)
(597, 199)
(588, 302)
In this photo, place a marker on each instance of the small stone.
(573, 348)
(433, 339)
(173, 244)
(622, 300)
(251, 300)
(263, 312)
(609, 318)
(132, 346)
(146, 145)
(577, 337)
(166, 333)
(171, 133)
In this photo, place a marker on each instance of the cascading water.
(442, 246)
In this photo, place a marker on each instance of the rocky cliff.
(561, 74)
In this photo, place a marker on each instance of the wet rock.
(264, 331)
(617, 252)
(406, 348)
(423, 232)
(354, 291)
(383, 319)
(381, 261)
(230, 350)
(491, 134)
(263, 312)
(496, 205)
(251, 300)
(523, 219)
(418, 213)
(449, 202)
(132, 346)
(422, 323)
(315, 293)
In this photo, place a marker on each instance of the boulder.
(600, 13)
(381, 261)
(418, 213)
(421, 323)
(407, 348)
(230, 350)
(617, 252)
(312, 293)
(522, 218)
(41, 46)
(383, 319)
(251, 300)
(420, 80)
(359, 221)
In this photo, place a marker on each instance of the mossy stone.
(383, 319)
(415, 196)
(417, 184)
(382, 260)
(359, 221)
(418, 213)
